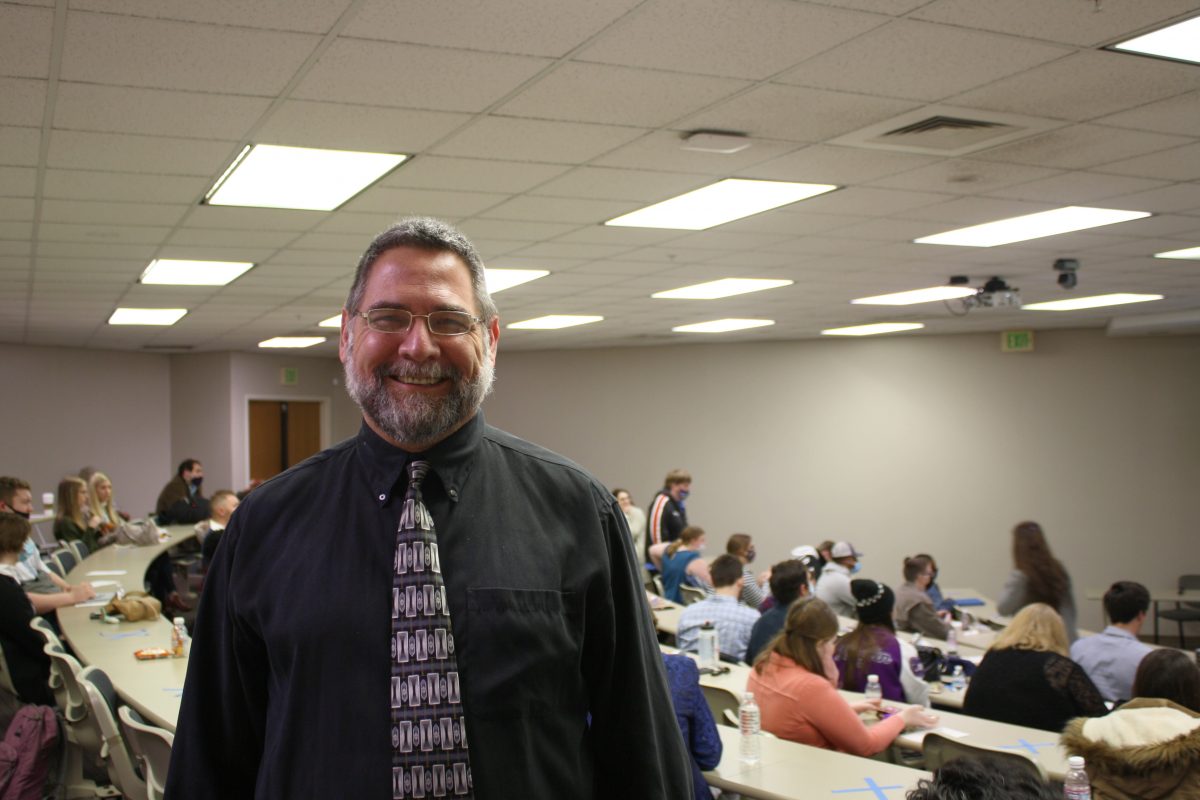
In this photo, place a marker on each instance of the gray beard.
(417, 419)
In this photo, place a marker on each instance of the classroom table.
(791, 771)
(153, 688)
(666, 613)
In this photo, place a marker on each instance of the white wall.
(900, 445)
(63, 408)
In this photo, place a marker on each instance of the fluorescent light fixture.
(333, 322)
(553, 322)
(500, 279)
(914, 296)
(874, 329)
(1180, 42)
(1187, 252)
(146, 316)
(292, 341)
(273, 176)
(180, 272)
(1033, 226)
(1095, 301)
(718, 203)
(723, 325)
(725, 287)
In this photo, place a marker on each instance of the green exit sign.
(1016, 341)
(289, 376)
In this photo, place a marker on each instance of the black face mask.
(197, 481)
(21, 514)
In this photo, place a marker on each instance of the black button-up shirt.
(287, 692)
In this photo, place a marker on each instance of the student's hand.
(918, 717)
(81, 592)
(864, 706)
(764, 577)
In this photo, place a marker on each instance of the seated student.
(794, 683)
(741, 547)
(789, 579)
(46, 590)
(1026, 678)
(873, 649)
(983, 778)
(732, 620)
(915, 610)
(182, 500)
(75, 520)
(1149, 747)
(933, 590)
(222, 505)
(1111, 657)
(29, 667)
(695, 720)
(681, 563)
(100, 499)
(834, 584)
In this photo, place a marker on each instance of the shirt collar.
(450, 460)
(1113, 630)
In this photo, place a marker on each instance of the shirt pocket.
(524, 649)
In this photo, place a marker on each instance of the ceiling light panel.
(723, 325)
(725, 287)
(1186, 253)
(1096, 301)
(1180, 42)
(146, 316)
(553, 322)
(292, 341)
(273, 176)
(914, 296)
(180, 272)
(874, 329)
(718, 203)
(500, 279)
(1033, 226)
(332, 322)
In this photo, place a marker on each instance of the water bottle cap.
(1075, 762)
(748, 697)
(177, 621)
(872, 679)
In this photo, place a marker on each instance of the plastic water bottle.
(873, 691)
(748, 720)
(1076, 786)
(710, 648)
(178, 637)
(952, 639)
(958, 678)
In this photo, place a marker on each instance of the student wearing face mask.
(667, 516)
(181, 500)
(790, 580)
(741, 547)
(834, 584)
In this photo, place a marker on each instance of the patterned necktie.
(429, 735)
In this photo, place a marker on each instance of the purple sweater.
(886, 662)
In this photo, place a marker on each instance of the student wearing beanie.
(873, 649)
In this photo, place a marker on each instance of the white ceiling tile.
(964, 176)
(560, 249)
(608, 183)
(1180, 197)
(25, 36)
(155, 112)
(423, 202)
(530, 27)
(963, 211)
(308, 16)
(920, 60)
(1080, 147)
(130, 51)
(661, 150)
(1159, 225)
(270, 219)
(73, 184)
(24, 100)
(333, 242)
(580, 92)
(97, 249)
(202, 237)
(1081, 23)
(512, 230)
(752, 39)
(108, 213)
(535, 140)
(892, 7)
(774, 111)
(15, 248)
(357, 71)
(1077, 188)
(343, 126)
(618, 236)
(1180, 163)
(147, 154)
(19, 146)
(350, 222)
(17, 181)
(821, 163)
(559, 209)
(16, 230)
(795, 220)
(1084, 86)
(106, 234)
(870, 202)
(1174, 115)
(470, 174)
(16, 209)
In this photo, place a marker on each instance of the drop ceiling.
(531, 122)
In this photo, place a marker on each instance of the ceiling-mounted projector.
(996, 293)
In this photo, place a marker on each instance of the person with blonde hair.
(100, 500)
(1026, 677)
(794, 682)
(75, 520)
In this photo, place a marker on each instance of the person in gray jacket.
(1037, 577)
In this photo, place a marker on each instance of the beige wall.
(901, 445)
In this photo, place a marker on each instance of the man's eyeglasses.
(440, 323)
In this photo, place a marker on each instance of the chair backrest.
(658, 586)
(78, 549)
(722, 703)
(1189, 583)
(65, 560)
(53, 566)
(151, 746)
(64, 668)
(46, 631)
(939, 749)
(691, 594)
(101, 699)
(6, 684)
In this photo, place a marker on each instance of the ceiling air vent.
(946, 131)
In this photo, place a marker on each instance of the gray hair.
(425, 233)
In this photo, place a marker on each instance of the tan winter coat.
(1145, 750)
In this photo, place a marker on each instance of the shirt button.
(453, 494)
(383, 497)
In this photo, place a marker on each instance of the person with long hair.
(741, 547)
(100, 500)
(794, 682)
(915, 609)
(681, 563)
(1026, 677)
(1149, 747)
(75, 519)
(1037, 577)
(873, 649)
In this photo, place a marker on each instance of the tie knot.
(416, 472)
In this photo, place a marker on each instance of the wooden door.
(282, 433)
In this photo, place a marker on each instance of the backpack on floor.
(25, 753)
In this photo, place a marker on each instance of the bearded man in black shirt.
(558, 676)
